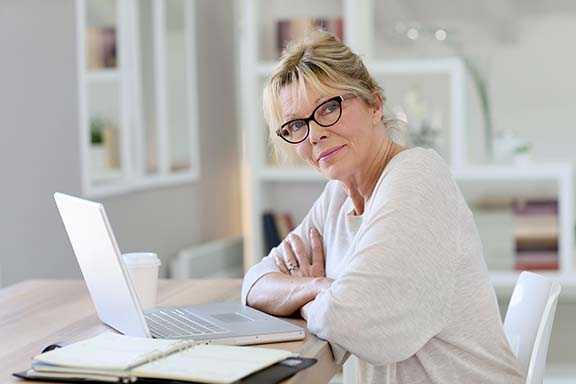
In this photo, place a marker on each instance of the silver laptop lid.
(99, 258)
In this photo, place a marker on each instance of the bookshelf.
(551, 181)
(267, 185)
(137, 92)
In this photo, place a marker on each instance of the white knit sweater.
(412, 297)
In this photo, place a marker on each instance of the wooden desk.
(37, 313)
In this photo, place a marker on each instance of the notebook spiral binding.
(156, 355)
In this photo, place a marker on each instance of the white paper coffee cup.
(143, 270)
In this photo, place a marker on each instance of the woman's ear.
(377, 108)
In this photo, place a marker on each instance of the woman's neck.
(361, 185)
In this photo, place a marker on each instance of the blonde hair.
(322, 62)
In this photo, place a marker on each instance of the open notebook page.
(212, 363)
(106, 352)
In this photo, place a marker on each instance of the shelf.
(528, 172)
(102, 190)
(102, 75)
(443, 65)
(101, 176)
(532, 172)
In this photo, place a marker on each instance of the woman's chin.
(332, 172)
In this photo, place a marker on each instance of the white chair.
(528, 322)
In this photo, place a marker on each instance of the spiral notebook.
(111, 357)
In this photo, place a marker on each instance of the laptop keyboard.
(169, 323)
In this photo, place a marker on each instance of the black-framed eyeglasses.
(326, 114)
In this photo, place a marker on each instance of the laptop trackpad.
(232, 317)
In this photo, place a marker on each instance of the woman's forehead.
(297, 100)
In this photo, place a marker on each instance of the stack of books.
(518, 234)
(100, 48)
(277, 225)
(295, 29)
(536, 234)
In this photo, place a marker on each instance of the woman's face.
(341, 150)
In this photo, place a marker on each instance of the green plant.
(97, 125)
(524, 148)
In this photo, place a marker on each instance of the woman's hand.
(320, 285)
(296, 261)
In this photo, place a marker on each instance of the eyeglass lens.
(325, 115)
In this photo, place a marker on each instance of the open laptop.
(117, 304)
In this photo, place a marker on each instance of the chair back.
(529, 320)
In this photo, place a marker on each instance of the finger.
(317, 247)
(280, 264)
(289, 258)
(300, 250)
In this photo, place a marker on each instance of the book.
(536, 234)
(284, 223)
(289, 221)
(551, 266)
(536, 260)
(281, 225)
(536, 228)
(271, 234)
(111, 357)
(100, 48)
(295, 29)
(535, 207)
(536, 246)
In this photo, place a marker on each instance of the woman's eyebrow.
(292, 115)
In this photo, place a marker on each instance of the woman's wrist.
(320, 284)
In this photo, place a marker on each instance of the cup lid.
(143, 259)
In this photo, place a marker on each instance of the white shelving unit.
(554, 178)
(146, 98)
(530, 181)
(266, 186)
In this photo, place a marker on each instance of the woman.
(387, 265)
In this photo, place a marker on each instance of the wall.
(534, 84)
(39, 146)
(530, 79)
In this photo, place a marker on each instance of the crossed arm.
(301, 278)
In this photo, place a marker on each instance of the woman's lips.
(330, 153)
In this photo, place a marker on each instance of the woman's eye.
(330, 107)
(295, 126)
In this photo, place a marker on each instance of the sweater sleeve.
(395, 293)
(314, 218)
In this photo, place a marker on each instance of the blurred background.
(153, 108)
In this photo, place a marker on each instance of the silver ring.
(292, 268)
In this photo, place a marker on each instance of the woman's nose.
(317, 132)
